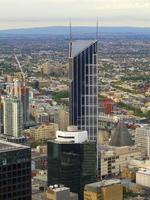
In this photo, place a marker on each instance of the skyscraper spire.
(70, 26)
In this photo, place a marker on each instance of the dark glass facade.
(72, 165)
(83, 86)
(15, 174)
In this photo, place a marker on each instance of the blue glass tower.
(83, 86)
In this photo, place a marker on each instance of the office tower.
(142, 140)
(22, 92)
(1, 116)
(104, 190)
(62, 119)
(71, 160)
(13, 122)
(83, 86)
(15, 171)
(19, 90)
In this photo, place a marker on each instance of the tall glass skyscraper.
(83, 86)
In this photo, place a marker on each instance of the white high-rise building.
(19, 90)
(142, 140)
(13, 116)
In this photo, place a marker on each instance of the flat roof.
(9, 146)
(69, 142)
(97, 185)
(78, 46)
(144, 171)
(57, 188)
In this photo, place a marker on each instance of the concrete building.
(15, 171)
(60, 193)
(43, 83)
(104, 190)
(71, 135)
(42, 132)
(113, 160)
(139, 164)
(12, 116)
(142, 140)
(39, 161)
(62, 119)
(45, 68)
(84, 86)
(42, 118)
(143, 177)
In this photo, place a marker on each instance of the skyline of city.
(53, 13)
(75, 100)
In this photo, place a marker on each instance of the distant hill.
(77, 30)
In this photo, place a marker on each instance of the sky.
(40, 13)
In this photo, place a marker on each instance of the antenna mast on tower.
(70, 26)
(70, 43)
(97, 29)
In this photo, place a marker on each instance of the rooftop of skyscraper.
(78, 46)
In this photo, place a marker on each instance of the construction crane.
(20, 67)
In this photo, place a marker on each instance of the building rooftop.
(144, 171)
(57, 188)
(78, 46)
(97, 185)
(8, 146)
(121, 136)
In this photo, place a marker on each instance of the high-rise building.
(13, 122)
(1, 116)
(15, 171)
(19, 90)
(71, 160)
(62, 119)
(83, 86)
(22, 92)
(142, 140)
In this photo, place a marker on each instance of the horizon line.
(74, 26)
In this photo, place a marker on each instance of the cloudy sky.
(36, 13)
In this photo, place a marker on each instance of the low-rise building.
(113, 160)
(42, 132)
(104, 190)
(60, 193)
(143, 177)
